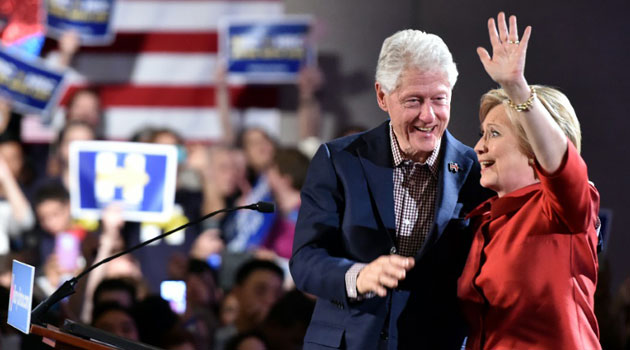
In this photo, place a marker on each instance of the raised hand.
(507, 64)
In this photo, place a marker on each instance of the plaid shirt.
(415, 190)
(415, 193)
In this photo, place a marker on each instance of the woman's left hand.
(507, 64)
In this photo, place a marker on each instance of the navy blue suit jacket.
(347, 216)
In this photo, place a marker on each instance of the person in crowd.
(179, 339)
(252, 340)
(119, 290)
(58, 160)
(257, 288)
(109, 242)
(201, 317)
(84, 105)
(16, 215)
(228, 310)
(116, 319)
(529, 281)
(288, 319)
(52, 206)
(247, 230)
(309, 111)
(221, 183)
(286, 177)
(64, 246)
(155, 318)
(379, 238)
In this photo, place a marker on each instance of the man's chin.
(425, 146)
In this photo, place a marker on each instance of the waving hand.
(507, 64)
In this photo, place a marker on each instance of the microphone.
(264, 207)
(67, 288)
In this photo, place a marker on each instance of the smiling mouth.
(429, 129)
(486, 163)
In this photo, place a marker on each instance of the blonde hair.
(556, 103)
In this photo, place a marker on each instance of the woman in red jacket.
(531, 273)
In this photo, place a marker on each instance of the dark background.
(581, 47)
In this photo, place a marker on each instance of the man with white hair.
(381, 236)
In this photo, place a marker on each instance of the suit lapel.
(377, 162)
(453, 172)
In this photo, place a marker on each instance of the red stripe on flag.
(126, 95)
(173, 42)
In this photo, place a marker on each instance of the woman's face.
(504, 167)
(75, 133)
(259, 150)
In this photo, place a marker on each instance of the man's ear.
(380, 96)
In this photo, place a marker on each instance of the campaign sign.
(21, 296)
(31, 86)
(139, 177)
(266, 50)
(91, 19)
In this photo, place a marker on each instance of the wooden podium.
(76, 336)
(59, 339)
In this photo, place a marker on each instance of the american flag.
(160, 69)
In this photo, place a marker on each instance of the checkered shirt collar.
(398, 157)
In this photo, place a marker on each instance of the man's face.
(419, 109)
(258, 292)
(118, 323)
(54, 216)
(85, 107)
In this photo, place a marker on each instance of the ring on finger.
(513, 41)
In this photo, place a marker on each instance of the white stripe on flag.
(145, 16)
(192, 123)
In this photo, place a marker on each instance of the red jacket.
(530, 278)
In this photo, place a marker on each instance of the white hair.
(413, 49)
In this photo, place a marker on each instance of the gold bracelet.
(525, 106)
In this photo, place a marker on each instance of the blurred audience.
(258, 286)
(116, 319)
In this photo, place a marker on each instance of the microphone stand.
(67, 288)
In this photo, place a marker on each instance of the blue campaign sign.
(91, 19)
(31, 86)
(21, 296)
(266, 50)
(139, 177)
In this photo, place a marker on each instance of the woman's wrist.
(518, 91)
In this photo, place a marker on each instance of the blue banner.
(266, 50)
(138, 177)
(91, 19)
(28, 83)
(21, 296)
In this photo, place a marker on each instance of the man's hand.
(382, 273)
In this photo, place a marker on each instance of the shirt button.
(412, 183)
(393, 250)
(406, 222)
